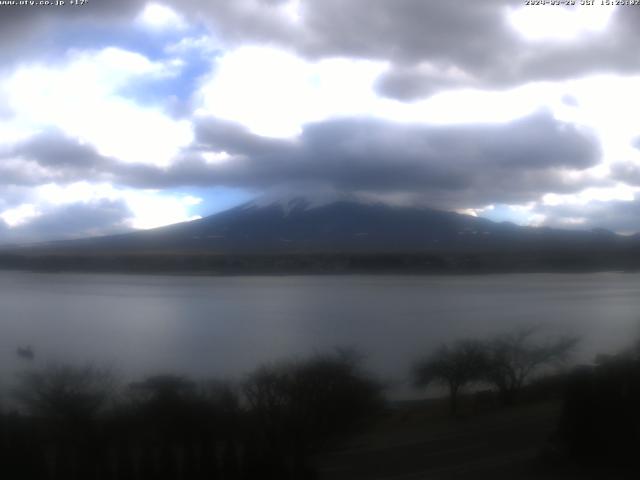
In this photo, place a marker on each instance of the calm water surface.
(225, 326)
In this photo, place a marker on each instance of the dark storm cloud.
(52, 148)
(70, 221)
(51, 156)
(451, 166)
(532, 143)
(408, 31)
(232, 137)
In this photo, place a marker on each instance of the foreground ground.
(417, 441)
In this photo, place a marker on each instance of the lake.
(225, 326)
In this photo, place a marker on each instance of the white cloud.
(216, 158)
(274, 93)
(79, 192)
(12, 132)
(619, 192)
(160, 17)
(190, 200)
(469, 211)
(19, 215)
(153, 209)
(558, 23)
(472, 105)
(293, 11)
(610, 105)
(81, 98)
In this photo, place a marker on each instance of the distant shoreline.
(207, 264)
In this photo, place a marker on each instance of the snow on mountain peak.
(307, 201)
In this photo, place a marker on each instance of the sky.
(124, 114)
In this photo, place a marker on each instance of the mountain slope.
(299, 226)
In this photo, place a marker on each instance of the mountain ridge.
(342, 225)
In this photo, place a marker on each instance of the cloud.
(621, 216)
(435, 45)
(626, 172)
(22, 28)
(407, 83)
(274, 93)
(81, 97)
(50, 211)
(559, 24)
(26, 223)
(148, 208)
(160, 17)
(51, 156)
(239, 22)
(53, 148)
(450, 167)
(507, 57)
(376, 29)
(430, 45)
(19, 215)
(70, 221)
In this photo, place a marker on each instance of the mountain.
(299, 225)
(301, 235)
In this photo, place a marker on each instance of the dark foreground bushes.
(74, 423)
(600, 423)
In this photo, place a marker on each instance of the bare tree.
(299, 408)
(512, 359)
(455, 366)
(65, 393)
